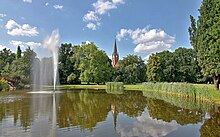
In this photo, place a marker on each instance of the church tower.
(115, 56)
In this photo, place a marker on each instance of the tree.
(208, 36)
(6, 57)
(92, 63)
(167, 66)
(22, 67)
(186, 67)
(153, 68)
(132, 69)
(18, 55)
(67, 71)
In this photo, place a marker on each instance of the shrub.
(4, 85)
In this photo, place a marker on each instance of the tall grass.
(115, 87)
(180, 89)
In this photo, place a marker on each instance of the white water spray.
(51, 43)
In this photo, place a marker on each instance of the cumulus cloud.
(28, 1)
(148, 41)
(91, 16)
(58, 7)
(2, 15)
(25, 44)
(16, 29)
(145, 126)
(91, 26)
(2, 47)
(100, 8)
(46, 4)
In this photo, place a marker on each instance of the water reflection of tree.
(211, 127)
(162, 110)
(87, 109)
(19, 109)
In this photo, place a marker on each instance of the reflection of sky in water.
(145, 126)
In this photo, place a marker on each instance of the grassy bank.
(205, 91)
(82, 86)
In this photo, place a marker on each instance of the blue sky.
(141, 27)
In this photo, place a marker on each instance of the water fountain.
(42, 74)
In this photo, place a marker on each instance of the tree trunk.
(216, 82)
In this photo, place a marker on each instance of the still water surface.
(81, 113)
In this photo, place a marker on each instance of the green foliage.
(18, 55)
(153, 68)
(93, 64)
(177, 66)
(205, 38)
(131, 70)
(6, 58)
(67, 69)
(4, 85)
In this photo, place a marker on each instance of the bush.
(4, 85)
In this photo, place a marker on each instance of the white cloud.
(145, 126)
(28, 1)
(2, 47)
(91, 16)
(46, 4)
(25, 44)
(58, 7)
(91, 26)
(148, 41)
(2, 15)
(15, 29)
(118, 1)
(100, 8)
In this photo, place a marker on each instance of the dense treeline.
(86, 63)
(17, 65)
(177, 66)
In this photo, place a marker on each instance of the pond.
(92, 113)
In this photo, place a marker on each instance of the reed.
(115, 87)
(180, 89)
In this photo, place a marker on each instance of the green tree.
(18, 55)
(167, 66)
(67, 70)
(22, 67)
(92, 63)
(132, 69)
(6, 58)
(208, 36)
(185, 65)
(153, 68)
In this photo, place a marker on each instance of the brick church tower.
(115, 56)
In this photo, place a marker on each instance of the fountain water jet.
(51, 43)
(42, 74)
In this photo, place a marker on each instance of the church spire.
(115, 47)
(115, 56)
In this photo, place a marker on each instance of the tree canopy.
(205, 38)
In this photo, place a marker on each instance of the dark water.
(99, 114)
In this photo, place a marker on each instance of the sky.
(141, 27)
